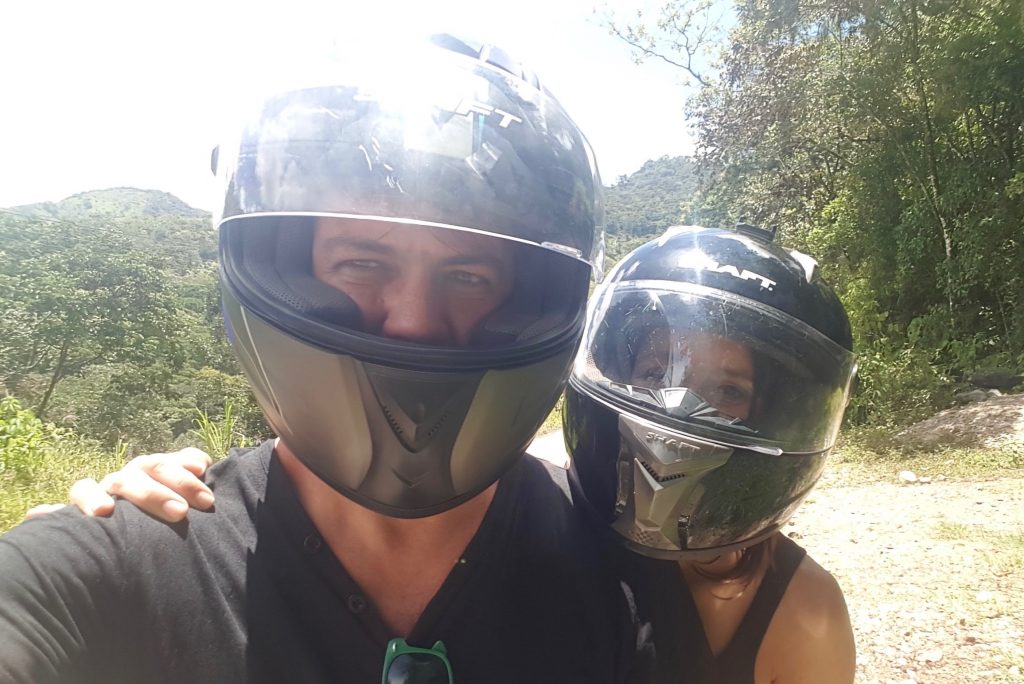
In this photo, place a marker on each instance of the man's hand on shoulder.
(163, 485)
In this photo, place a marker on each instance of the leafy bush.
(39, 462)
(897, 386)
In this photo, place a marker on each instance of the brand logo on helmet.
(766, 283)
(469, 107)
(466, 107)
(669, 442)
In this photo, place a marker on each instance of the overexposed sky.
(104, 93)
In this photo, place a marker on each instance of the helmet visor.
(433, 138)
(412, 296)
(716, 365)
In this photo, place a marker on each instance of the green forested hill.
(651, 199)
(112, 202)
(153, 221)
(110, 317)
(645, 203)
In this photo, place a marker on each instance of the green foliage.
(39, 462)
(618, 246)
(897, 385)
(111, 322)
(21, 436)
(84, 297)
(651, 199)
(885, 138)
(219, 436)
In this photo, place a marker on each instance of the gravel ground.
(933, 575)
(933, 572)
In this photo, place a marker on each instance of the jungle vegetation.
(884, 138)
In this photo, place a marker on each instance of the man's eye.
(358, 265)
(466, 278)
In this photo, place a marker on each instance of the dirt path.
(933, 576)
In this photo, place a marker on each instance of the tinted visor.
(716, 365)
(405, 294)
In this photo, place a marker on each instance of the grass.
(39, 462)
(868, 455)
(1004, 549)
(55, 467)
(218, 436)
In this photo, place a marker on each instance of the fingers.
(41, 510)
(140, 488)
(196, 461)
(180, 472)
(163, 485)
(91, 498)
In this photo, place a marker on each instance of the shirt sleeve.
(60, 595)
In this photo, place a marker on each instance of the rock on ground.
(998, 421)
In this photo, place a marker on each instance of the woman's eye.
(732, 399)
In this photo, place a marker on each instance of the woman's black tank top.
(681, 654)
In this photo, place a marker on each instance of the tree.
(885, 138)
(81, 296)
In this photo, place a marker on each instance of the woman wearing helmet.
(709, 391)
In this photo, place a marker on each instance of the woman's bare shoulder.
(814, 598)
(810, 639)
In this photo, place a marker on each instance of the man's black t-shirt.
(251, 592)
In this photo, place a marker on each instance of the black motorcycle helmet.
(454, 140)
(710, 388)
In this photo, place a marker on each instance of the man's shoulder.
(243, 470)
(543, 488)
(544, 518)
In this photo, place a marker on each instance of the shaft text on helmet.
(766, 283)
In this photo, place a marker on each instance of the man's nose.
(414, 310)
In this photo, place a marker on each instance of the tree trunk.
(58, 373)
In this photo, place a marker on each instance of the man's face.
(719, 370)
(426, 285)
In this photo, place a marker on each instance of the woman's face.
(719, 370)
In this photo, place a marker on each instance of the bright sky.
(104, 93)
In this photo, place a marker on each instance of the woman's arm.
(163, 485)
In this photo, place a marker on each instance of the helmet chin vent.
(391, 420)
(659, 478)
(648, 538)
(420, 436)
(437, 426)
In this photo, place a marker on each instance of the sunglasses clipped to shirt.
(405, 664)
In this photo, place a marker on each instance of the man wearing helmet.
(403, 278)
